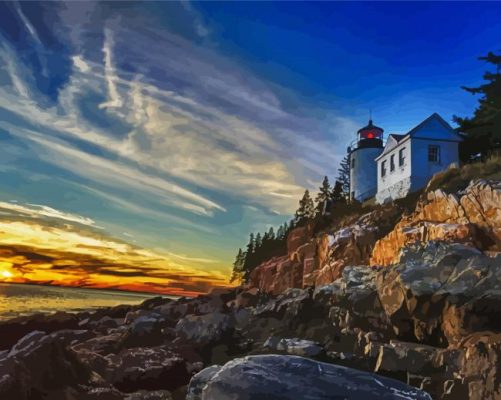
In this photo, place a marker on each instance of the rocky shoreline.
(312, 324)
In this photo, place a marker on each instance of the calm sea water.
(18, 299)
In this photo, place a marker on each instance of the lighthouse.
(363, 167)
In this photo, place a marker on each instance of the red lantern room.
(370, 136)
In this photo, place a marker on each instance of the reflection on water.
(18, 299)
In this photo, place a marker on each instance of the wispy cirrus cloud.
(166, 131)
(203, 130)
(37, 210)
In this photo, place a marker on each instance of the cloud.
(38, 250)
(116, 174)
(146, 212)
(36, 210)
(114, 100)
(202, 120)
(173, 136)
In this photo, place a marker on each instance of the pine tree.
(306, 209)
(281, 232)
(483, 129)
(258, 242)
(238, 266)
(344, 176)
(323, 195)
(271, 233)
(337, 195)
(249, 256)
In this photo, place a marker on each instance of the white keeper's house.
(404, 164)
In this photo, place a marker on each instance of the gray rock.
(405, 357)
(204, 329)
(290, 304)
(431, 294)
(150, 395)
(290, 377)
(199, 381)
(38, 363)
(144, 331)
(294, 346)
(152, 368)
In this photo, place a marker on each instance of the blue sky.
(182, 127)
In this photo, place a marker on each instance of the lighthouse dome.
(363, 167)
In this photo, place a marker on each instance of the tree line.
(262, 247)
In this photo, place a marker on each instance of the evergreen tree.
(238, 266)
(344, 176)
(281, 232)
(337, 194)
(483, 129)
(249, 256)
(271, 233)
(323, 195)
(258, 242)
(306, 209)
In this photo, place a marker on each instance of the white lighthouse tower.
(363, 166)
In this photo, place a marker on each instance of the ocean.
(18, 299)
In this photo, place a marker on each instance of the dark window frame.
(401, 157)
(392, 163)
(383, 168)
(434, 153)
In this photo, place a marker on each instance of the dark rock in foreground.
(430, 321)
(291, 377)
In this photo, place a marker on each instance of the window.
(434, 153)
(392, 163)
(401, 157)
(383, 169)
(352, 162)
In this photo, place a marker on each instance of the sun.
(6, 274)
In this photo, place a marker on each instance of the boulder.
(26, 370)
(14, 329)
(291, 304)
(291, 377)
(205, 329)
(245, 298)
(199, 381)
(399, 359)
(152, 368)
(144, 331)
(294, 346)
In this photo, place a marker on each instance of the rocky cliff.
(318, 260)
(471, 217)
(385, 304)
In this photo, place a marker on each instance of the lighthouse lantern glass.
(370, 135)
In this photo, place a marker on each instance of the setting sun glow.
(6, 274)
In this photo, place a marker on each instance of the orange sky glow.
(58, 250)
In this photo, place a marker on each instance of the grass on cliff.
(455, 179)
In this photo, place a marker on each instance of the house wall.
(397, 183)
(363, 177)
(417, 170)
(422, 169)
